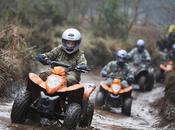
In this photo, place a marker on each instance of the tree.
(112, 21)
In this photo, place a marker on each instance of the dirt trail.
(143, 116)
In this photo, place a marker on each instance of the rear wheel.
(72, 116)
(150, 83)
(142, 83)
(21, 107)
(100, 98)
(87, 118)
(126, 108)
(159, 75)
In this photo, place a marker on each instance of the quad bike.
(114, 95)
(143, 76)
(160, 74)
(52, 99)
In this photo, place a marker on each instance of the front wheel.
(20, 107)
(87, 118)
(126, 108)
(72, 116)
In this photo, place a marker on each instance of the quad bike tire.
(142, 83)
(150, 84)
(100, 98)
(21, 107)
(87, 118)
(157, 75)
(126, 108)
(72, 116)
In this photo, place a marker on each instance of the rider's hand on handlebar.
(42, 58)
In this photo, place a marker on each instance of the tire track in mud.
(143, 116)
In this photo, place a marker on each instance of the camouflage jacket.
(112, 69)
(58, 54)
(137, 57)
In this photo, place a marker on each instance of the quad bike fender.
(105, 87)
(71, 88)
(37, 80)
(109, 89)
(89, 88)
(125, 90)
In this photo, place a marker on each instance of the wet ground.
(143, 116)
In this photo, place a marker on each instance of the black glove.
(82, 67)
(130, 80)
(43, 59)
(103, 73)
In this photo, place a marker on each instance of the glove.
(83, 67)
(43, 59)
(130, 80)
(109, 81)
(104, 73)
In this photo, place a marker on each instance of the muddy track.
(143, 116)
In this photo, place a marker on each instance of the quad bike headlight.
(116, 88)
(53, 81)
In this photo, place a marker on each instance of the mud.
(143, 116)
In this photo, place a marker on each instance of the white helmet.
(122, 54)
(140, 42)
(140, 45)
(71, 34)
(173, 46)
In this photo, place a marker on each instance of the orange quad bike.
(160, 74)
(53, 99)
(114, 95)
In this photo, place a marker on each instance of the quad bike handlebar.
(80, 68)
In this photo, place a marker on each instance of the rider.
(171, 54)
(165, 43)
(118, 69)
(139, 54)
(68, 52)
(168, 63)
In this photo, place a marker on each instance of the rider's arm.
(147, 56)
(47, 57)
(81, 59)
(106, 70)
(52, 55)
(130, 75)
(131, 53)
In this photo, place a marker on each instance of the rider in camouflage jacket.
(67, 53)
(118, 69)
(139, 54)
